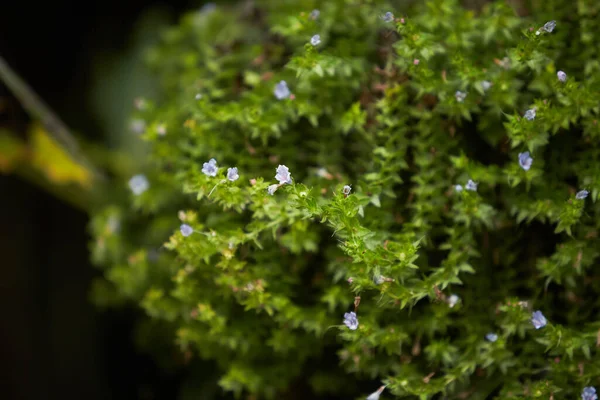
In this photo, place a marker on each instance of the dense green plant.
(444, 274)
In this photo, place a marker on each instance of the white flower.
(210, 168)
(138, 126)
(272, 189)
(452, 300)
(314, 14)
(138, 184)
(282, 91)
(232, 174)
(460, 96)
(486, 85)
(562, 76)
(283, 175)
(530, 114)
(375, 395)
(315, 40)
(161, 130)
(458, 188)
(347, 189)
(472, 186)
(198, 96)
(582, 194)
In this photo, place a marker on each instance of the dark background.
(53, 342)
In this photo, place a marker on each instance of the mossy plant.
(360, 195)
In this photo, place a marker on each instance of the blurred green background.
(85, 61)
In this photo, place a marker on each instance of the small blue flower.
(486, 85)
(460, 96)
(351, 321)
(314, 14)
(210, 168)
(272, 189)
(458, 188)
(315, 40)
(525, 160)
(562, 76)
(538, 320)
(139, 184)
(589, 393)
(375, 395)
(549, 26)
(582, 194)
(388, 17)
(283, 175)
(186, 230)
(378, 279)
(530, 114)
(346, 190)
(472, 186)
(232, 174)
(282, 91)
(492, 337)
(453, 300)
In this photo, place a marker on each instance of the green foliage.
(261, 285)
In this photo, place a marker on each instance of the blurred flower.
(186, 230)
(492, 337)
(388, 17)
(460, 96)
(538, 320)
(472, 186)
(582, 194)
(458, 188)
(452, 300)
(161, 130)
(315, 40)
(346, 190)
(138, 184)
(562, 76)
(486, 85)
(232, 174)
(314, 14)
(530, 114)
(272, 189)
(375, 395)
(283, 174)
(525, 160)
(549, 26)
(350, 320)
(589, 393)
(198, 96)
(210, 168)
(281, 90)
(138, 126)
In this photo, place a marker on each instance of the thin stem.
(213, 189)
(40, 111)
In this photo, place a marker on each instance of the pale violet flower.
(486, 85)
(452, 300)
(138, 126)
(538, 320)
(460, 96)
(138, 184)
(161, 130)
(282, 91)
(350, 320)
(458, 188)
(210, 168)
(582, 194)
(530, 114)
(525, 160)
(314, 14)
(589, 393)
(283, 174)
(375, 395)
(272, 189)
(549, 26)
(472, 186)
(492, 337)
(562, 76)
(186, 230)
(198, 96)
(378, 279)
(346, 190)
(232, 174)
(315, 40)
(388, 17)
